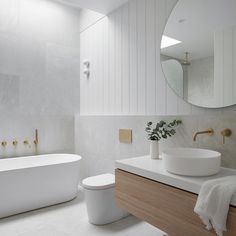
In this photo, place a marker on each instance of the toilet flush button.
(125, 136)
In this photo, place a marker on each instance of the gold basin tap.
(208, 131)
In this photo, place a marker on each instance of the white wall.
(126, 75)
(39, 74)
(88, 18)
(97, 139)
(127, 79)
(56, 134)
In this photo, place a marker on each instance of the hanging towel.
(213, 202)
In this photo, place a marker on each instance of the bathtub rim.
(74, 159)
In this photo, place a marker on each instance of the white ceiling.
(101, 6)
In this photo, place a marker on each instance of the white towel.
(213, 202)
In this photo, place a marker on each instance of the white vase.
(154, 149)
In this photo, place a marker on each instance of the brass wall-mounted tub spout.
(208, 131)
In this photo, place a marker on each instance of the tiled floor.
(70, 219)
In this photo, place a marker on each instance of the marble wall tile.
(9, 91)
(9, 15)
(56, 134)
(39, 75)
(96, 138)
(44, 54)
(62, 75)
(49, 21)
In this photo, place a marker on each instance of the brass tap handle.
(14, 143)
(4, 143)
(26, 142)
(226, 133)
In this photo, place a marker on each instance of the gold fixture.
(125, 136)
(210, 132)
(14, 143)
(26, 142)
(226, 133)
(4, 143)
(36, 141)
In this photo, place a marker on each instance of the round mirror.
(198, 52)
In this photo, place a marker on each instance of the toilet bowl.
(100, 200)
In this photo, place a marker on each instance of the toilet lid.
(99, 182)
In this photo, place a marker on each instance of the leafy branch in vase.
(161, 129)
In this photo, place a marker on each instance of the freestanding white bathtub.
(29, 183)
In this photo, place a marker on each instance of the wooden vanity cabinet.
(168, 208)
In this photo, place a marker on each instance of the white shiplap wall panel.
(161, 85)
(126, 74)
(99, 69)
(83, 95)
(105, 47)
(89, 56)
(93, 103)
(141, 54)
(133, 57)
(111, 63)
(125, 61)
(151, 57)
(118, 63)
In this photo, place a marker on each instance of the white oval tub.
(28, 183)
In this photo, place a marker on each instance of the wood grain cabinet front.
(169, 209)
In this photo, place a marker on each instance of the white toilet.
(100, 200)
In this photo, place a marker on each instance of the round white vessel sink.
(192, 161)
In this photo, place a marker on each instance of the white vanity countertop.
(154, 169)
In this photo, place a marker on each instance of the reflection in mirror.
(198, 52)
(174, 75)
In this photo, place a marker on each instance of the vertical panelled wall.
(125, 72)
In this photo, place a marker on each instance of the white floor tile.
(70, 219)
